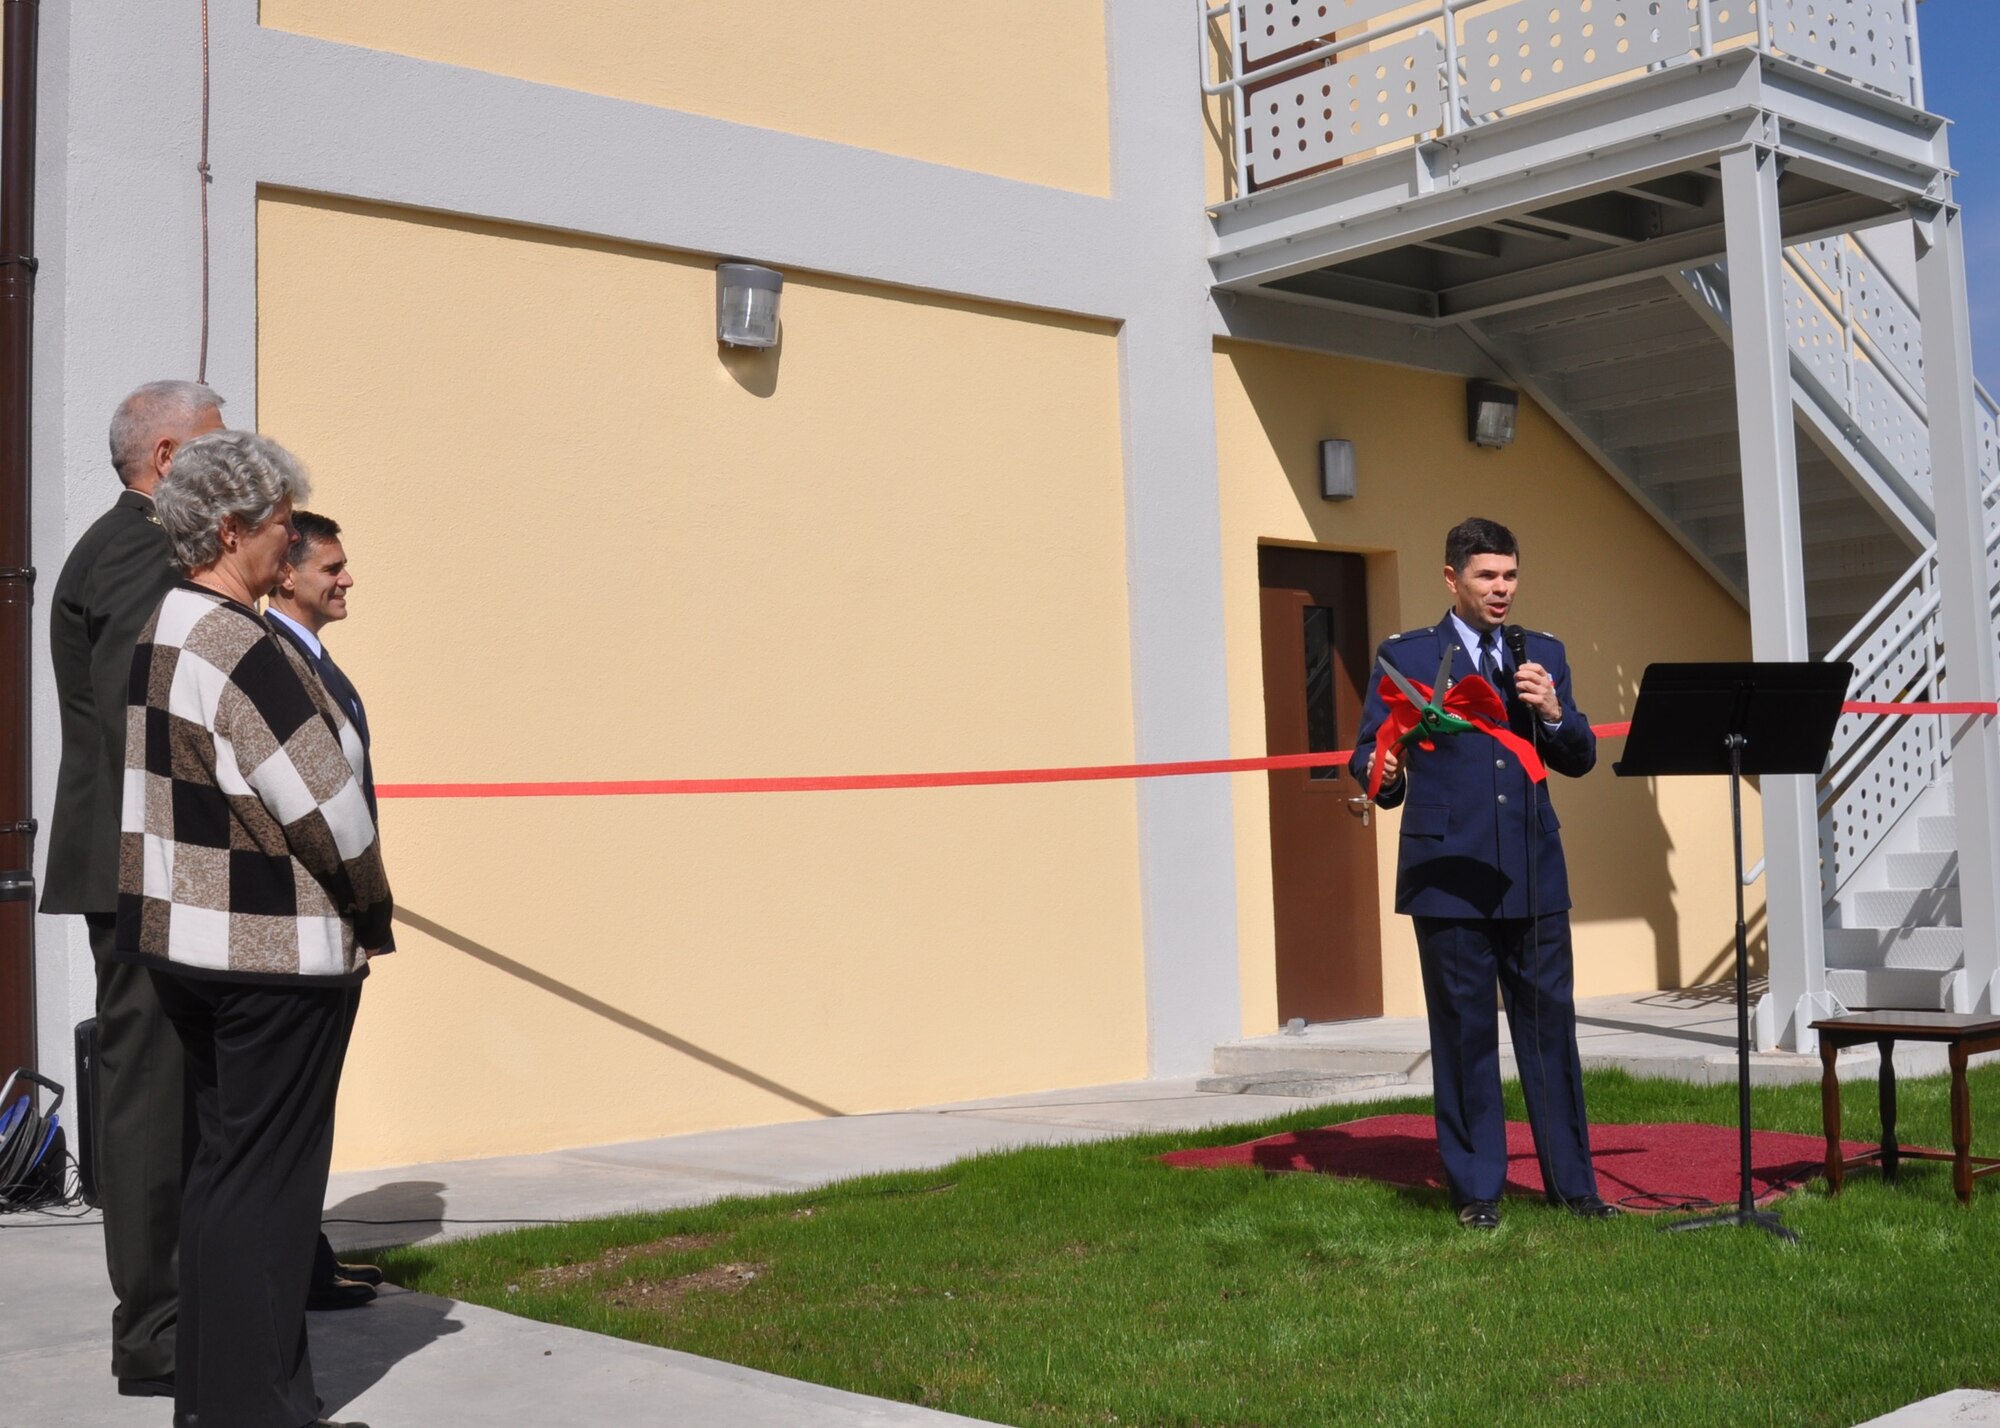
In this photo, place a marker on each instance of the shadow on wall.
(543, 982)
(1619, 849)
(754, 368)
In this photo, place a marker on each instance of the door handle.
(1360, 806)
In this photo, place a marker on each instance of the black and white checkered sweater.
(247, 850)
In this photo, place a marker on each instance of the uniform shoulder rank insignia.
(154, 519)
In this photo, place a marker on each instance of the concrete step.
(1400, 1055)
(1924, 870)
(1902, 988)
(1308, 1085)
(1407, 1059)
(1902, 907)
(1862, 949)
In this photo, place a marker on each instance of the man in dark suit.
(1481, 872)
(310, 595)
(110, 585)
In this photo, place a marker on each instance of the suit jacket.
(342, 689)
(1466, 804)
(112, 582)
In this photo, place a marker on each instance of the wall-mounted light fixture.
(1336, 470)
(746, 305)
(1490, 410)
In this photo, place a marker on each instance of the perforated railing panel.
(1367, 99)
(1887, 321)
(1893, 427)
(1823, 257)
(1816, 334)
(1861, 40)
(1731, 19)
(1271, 27)
(1867, 798)
(1534, 48)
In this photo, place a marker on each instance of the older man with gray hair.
(112, 582)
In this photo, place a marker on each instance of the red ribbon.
(598, 788)
(1471, 699)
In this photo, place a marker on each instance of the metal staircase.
(1545, 176)
(1640, 375)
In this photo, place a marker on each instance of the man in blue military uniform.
(1481, 873)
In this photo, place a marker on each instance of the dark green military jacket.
(112, 582)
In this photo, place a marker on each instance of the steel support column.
(1794, 922)
(1964, 585)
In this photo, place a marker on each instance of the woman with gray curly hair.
(250, 885)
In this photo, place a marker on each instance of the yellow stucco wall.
(587, 546)
(1010, 87)
(1650, 863)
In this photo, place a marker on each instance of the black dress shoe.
(328, 1423)
(359, 1273)
(1590, 1207)
(1480, 1214)
(341, 1294)
(161, 1387)
(187, 1420)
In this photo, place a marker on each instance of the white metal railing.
(1857, 332)
(1312, 83)
(1880, 764)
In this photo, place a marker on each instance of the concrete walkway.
(1686, 1035)
(412, 1359)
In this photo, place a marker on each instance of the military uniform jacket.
(112, 582)
(1467, 803)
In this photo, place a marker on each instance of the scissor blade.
(1409, 689)
(1444, 673)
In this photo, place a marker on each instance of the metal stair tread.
(1933, 949)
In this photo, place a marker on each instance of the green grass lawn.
(1092, 1285)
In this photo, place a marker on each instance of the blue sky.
(1960, 38)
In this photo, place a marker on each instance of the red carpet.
(1644, 1167)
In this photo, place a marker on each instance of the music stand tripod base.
(1755, 1219)
(1735, 719)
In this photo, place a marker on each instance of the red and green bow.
(1417, 716)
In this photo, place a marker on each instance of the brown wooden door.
(1316, 659)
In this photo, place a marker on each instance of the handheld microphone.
(1517, 646)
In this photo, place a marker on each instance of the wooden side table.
(1963, 1036)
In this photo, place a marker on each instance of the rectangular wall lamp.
(1336, 470)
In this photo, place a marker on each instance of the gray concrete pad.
(1684, 1035)
(1961, 1408)
(411, 1359)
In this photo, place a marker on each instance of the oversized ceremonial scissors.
(1432, 718)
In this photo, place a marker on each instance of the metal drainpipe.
(17, 574)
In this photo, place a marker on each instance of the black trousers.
(264, 1064)
(326, 1266)
(144, 1139)
(1531, 961)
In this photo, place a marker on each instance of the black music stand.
(1736, 719)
